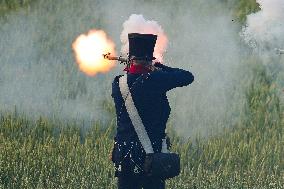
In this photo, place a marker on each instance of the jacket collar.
(137, 69)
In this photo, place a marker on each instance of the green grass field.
(52, 154)
(44, 154)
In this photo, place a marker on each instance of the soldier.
(147, 84)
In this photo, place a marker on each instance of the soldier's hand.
(158, 65)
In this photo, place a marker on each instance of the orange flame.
(89, 49)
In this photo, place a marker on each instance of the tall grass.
(44, 154)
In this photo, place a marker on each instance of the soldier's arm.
(168, 78)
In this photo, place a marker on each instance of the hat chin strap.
(141, 62)
(142, 58)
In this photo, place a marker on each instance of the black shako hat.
(141, 46)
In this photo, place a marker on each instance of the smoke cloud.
(138, 24)
(263, 32)
(39, 76)
(264, 29)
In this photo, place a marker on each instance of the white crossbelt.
(136, 119)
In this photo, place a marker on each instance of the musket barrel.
(112, 58)
(118, 58)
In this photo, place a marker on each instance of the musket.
(121, 59)
(124, 60)
(280, 51)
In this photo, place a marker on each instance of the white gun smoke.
(264, 33)
(39, 76)
(138, 24)
(264, 30)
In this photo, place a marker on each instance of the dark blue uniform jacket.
(149, 95)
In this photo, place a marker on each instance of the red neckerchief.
(137, 69)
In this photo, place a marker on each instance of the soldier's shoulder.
(154, 74)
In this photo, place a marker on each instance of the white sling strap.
(134, 116)
(136, 119)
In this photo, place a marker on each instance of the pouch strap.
(164, 146)
(134, 115)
